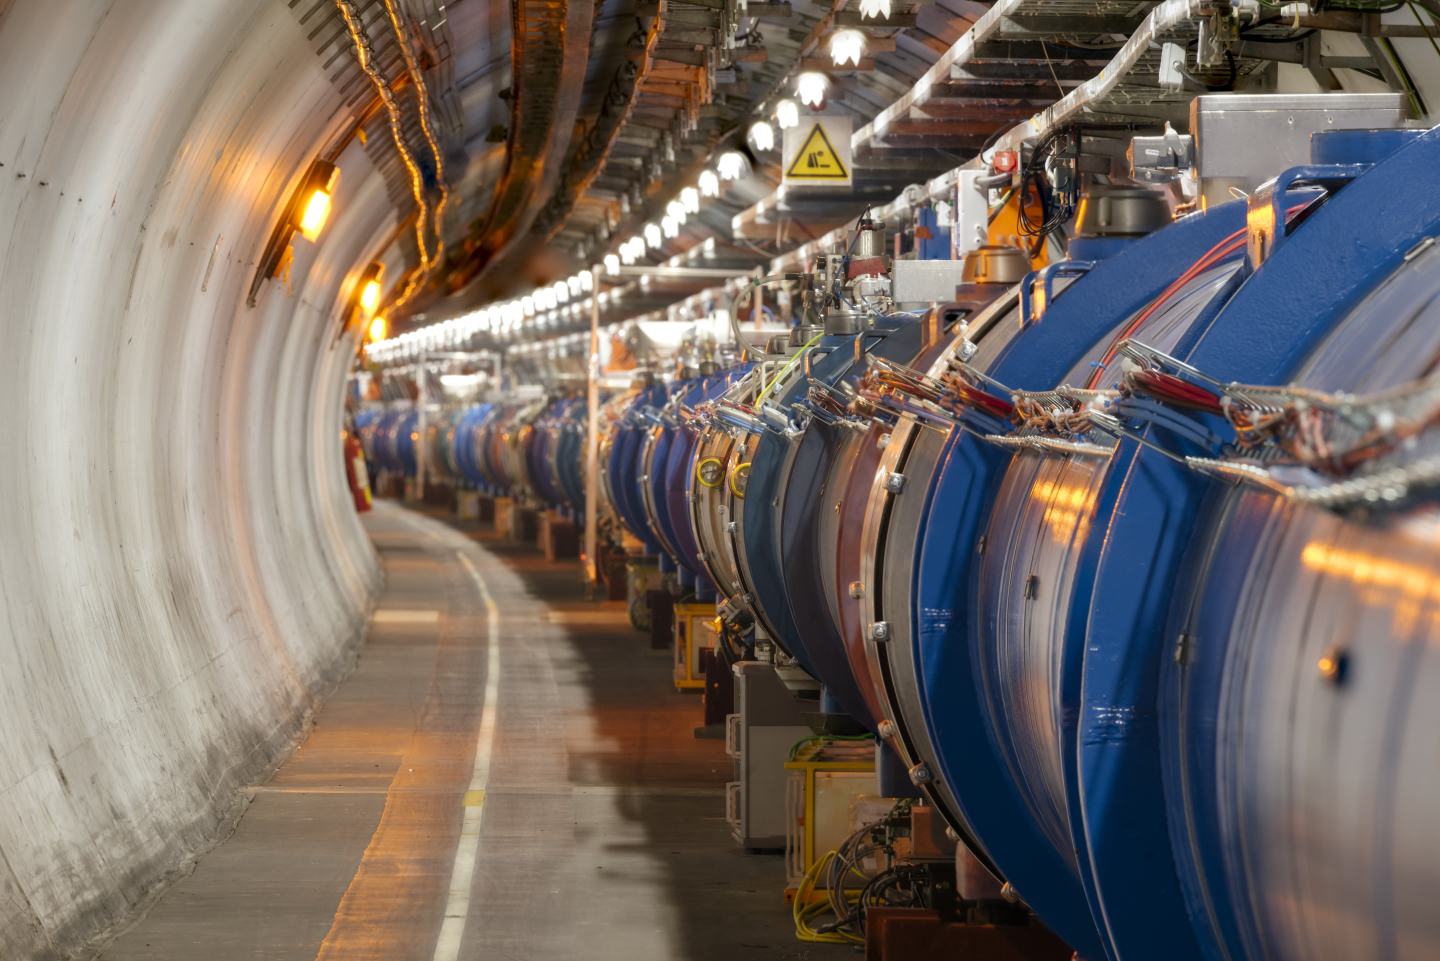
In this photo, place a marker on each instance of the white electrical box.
(971, 228)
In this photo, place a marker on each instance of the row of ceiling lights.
(846, 46)
(564, 297)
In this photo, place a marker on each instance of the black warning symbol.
(817, 159)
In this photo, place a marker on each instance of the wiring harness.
(865, 870)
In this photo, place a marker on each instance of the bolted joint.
(894, 483)
(888, 728)
(857, 589)
(880, 631)
(919, 774)
(732, 528)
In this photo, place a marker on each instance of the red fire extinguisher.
(355, 470)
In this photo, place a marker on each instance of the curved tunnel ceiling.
(616, 106)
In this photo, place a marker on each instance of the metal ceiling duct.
(550, 49)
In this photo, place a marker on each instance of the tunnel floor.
(602, 825)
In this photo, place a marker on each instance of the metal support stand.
(420, 428)
(592, 436)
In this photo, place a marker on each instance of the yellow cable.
(805, 913)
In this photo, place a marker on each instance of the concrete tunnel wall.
(182, 572)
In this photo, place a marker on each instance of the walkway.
(602, 818)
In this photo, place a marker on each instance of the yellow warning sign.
(816, 158)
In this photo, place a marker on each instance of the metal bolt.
(883, 441)
(888, 728)
(920, 774)
(894, 483)
(880, 631)
(1182, 650)
(1032, 586)
(732, 527)
(857, 590)
(1009, 893)
(952, 834)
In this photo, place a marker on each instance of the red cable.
(1173, 390)
(1221, 250)
(1213, 256)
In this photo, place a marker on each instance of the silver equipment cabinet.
(759, 738)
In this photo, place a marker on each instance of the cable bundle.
(892, 886)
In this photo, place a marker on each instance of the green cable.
(794, 748)
(785, 370)
(1428, 35)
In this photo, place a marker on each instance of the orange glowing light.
(370, 297)
(316, 210)
(378, 329)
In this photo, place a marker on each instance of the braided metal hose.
(366, 56)
(422, 97)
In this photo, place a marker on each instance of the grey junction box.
(1243, 139)
(759, 738)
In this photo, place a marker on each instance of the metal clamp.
(880, 632)
(1033, 306)
(1265, 211)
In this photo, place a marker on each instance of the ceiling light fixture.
(874, 9)
(847, 46)
(652, 235)
(709, 183)
(787, 114)
(762, 136)
(811, 85)
(732, 165)
(690, 200)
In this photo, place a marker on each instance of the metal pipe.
(420, 427)
(592, 434)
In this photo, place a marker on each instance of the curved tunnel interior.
(1016, 417)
